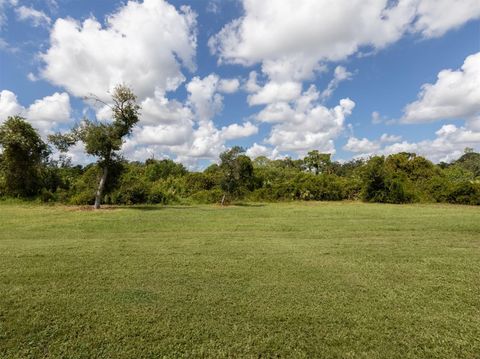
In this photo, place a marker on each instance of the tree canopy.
(23, 156)
(104, 140)
(26, 170)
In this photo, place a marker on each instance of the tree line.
(27, 170)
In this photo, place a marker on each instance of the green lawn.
(313, 280)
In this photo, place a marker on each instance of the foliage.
(399, 178)
(104, 140)
(470, 161)
(384, 183)
(465, 193)
(155, 170)
(317, 162)
(237, 171)
(23, 157)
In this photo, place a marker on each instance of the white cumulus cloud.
(45, 114)
(448, 144)
(324, 30)
(143, 45)
(186, 130)
(257, 150)
(307, 125)
(362, 145)
(366, 146)
(235, 130)
(455, 95)
(436, 17)
(229, 85)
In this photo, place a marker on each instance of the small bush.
(83, 198)
(207, 197)
(465, 193)
(47, 196)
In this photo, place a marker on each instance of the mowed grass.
(313, 280)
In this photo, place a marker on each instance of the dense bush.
(464, 193)
(386, 183)
(27, 171)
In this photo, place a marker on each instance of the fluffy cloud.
(305, 124)
(340, 74)
(448, 144)
(322, 30)
(160, 110)
(299, 120)
(274, 91)
(145, 45)
(173, 134)
(455, 95)
(55, 108)
(257, 150)
(436, 17)
(204, 96)
(385, 138)
(45, 114)
(36, 17)
(9, 105)
(142, 45)
(293, 67)
(163, 123)
(186, 130)
(208, 141)
(365, 146)
(229, 85)
(235, 130)
(361, 145)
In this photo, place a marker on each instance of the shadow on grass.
(242, 204)
(170, 207)
(157, 207)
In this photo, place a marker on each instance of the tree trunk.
(223, 200)
(101, 186)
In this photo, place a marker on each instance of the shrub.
(130, 193)
(162, 192)
(381, 184)
(83, 198)
(196, 182)
(207, 197)
(465, 193)
(47, 196)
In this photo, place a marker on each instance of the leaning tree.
(104, 140)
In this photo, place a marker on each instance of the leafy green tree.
(261, 161)
(317, 162)
(162, 169)
(24, 154)
(104, 140)
(416, 168)
(237, 170)
(470, 161)
(347, 169)
(382, 184)
(466, 192)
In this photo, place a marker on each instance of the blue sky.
(278, 78)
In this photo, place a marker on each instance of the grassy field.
(323, 280)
